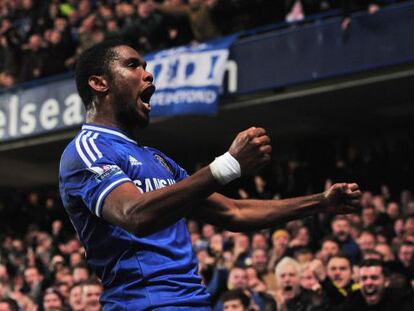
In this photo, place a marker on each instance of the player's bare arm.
(243, 215)
(146, 213)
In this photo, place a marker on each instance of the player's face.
(373, 284)
(131, 88)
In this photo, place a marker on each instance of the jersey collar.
(108, 130)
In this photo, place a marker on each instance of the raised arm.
(243, 215)
(146, 213)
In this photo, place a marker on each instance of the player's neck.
(109, 121)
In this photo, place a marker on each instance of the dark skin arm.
(245, 215)
(146, 213)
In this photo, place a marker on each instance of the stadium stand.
(325, 131)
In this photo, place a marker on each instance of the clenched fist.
(251, 148)
(342, 198)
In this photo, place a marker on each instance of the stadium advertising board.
(189, 78)
(188, 81)
(36, 110)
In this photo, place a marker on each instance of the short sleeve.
(89, 171)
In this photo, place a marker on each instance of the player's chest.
(149, 170)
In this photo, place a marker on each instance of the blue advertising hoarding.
(188, 79)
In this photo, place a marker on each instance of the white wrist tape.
(225, 168)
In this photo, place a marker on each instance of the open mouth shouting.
(372, 294)
(146, 95)
(370, 291)
(288, 291)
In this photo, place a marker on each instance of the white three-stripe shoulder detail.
(94, 147)
(87, 148)
(80, 151)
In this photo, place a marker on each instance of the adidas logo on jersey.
(133, 161)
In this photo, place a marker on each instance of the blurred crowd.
(40, 38)
(361, 261)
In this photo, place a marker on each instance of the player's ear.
(98, 83)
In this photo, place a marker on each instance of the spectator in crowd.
(366, 241)
(369, 217)
(259, 240)
(338, 284)
(375, 294)
(291, 295)
(238, 280)
(179, 28)
(341, 231)
(52, 300)
(198, 12)
(308, 279)
(8, 304)
(409, 226)
(235, 300)
(241, 249)
(9, 53)
(405, 264)
(33, 283)
(91, 291)
(80, 273)
(34, 58)
(148, 31)
(372, 254)
(56, 55)
(329, 248)
(393, 210)
(280, 242)
(75, 297)
(385, 250)
(260, 264)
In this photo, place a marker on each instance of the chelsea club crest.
(163, 163)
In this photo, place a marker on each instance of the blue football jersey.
(156, 272)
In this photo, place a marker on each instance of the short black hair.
(52, 290)
(375, 263)
(94, 281)
(342, 256)
(367, 254)
(94, 61)
(236, 294)
(13, 306)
